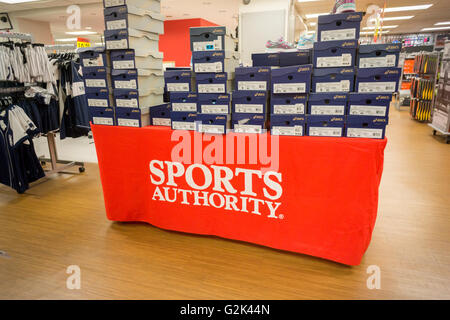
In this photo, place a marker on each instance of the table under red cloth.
(321, 199)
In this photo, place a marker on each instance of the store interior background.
(257, 22)
(410, 242)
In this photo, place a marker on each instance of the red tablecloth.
(320, 198)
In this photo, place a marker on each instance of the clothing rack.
(51, 136)
(57, 165)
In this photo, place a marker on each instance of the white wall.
(260, 31)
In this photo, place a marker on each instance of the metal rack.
(17, 36)
(60, 47)
(54, 159)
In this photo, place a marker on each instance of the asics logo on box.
(222, 97)
(347, 71)
(220, 118)
(337, 119)
(379, 120)
(354, 16)
(391, 72)
(185, 74)
(271, 56)
(192, 115)
(303, 69)
(260, 94)
(299, 97)
(217, 54)
(392, 47)
(263, 70)
(299, 119)
(349, 44)
(382, 98)
(220, 76)
(192, 96)
(258, 117)
(339, 97)
(217, 31)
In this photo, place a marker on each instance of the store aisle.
(61, 222)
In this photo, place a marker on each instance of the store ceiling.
(223, 12)
(439, 12)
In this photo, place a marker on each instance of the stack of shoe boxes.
(290, 85)
(290, 88)
(132, 29)
(95, 65)
(334, 58)
(250, 99)
(213, 62)
(183, 99)
(377, 78)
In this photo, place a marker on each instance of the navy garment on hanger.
(19, 165)
(75, 119)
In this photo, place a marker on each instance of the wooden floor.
(62, 222)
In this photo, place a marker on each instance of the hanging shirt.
(19, 165)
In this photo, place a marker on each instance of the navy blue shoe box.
(325, 126)
(369, 104)
(213, 123)
(266, 59)
(102, 116)
(343, 26)
(214, 103)
(330, 104)
(378, 80)
(211, 82)
(183, 120)
(287, 124)
(295, 79)
(282, 59)
(293, 104)
(253, 102)
(208, 61)
(248, 122)
(178, 80)
(252, 78)
(100, 99)
(207, 38)
(333, 54)
(295, 58)
(333, 80)
(128, 117)
(184, 101)
(379, 55)
(93, 57)
(161, 115)
(366, 127)
(95, 78)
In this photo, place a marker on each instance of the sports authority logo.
(210, 175)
